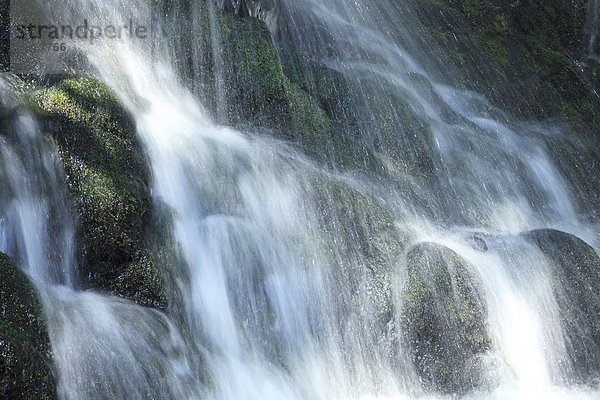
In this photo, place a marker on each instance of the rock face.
(445, 319)
(519, 53)
(109, 183)
(26, 370)
(238, 75)
(576, 278)
(258, 89)
(527, 57)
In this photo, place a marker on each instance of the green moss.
(142, 282)
(252, 66)
(25, 355)
(471, 8)
(258, 87)
(496, 48)
(308, 119)
(107, 177)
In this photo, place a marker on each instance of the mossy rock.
(520, 54)
(235, 68)
(558, 22)
(109, 181)
(360, 223)
(308, 121)
(444, 317)
(575, 268)
(303, 65)
(238, 75)
(259, 90)
(361, 240)
(252, 67)
(26, 368)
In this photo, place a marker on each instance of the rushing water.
(278, 299)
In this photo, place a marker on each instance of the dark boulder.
(109, 181)
(444, 317)
(576, 279)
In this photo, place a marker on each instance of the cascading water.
(503, 167)
(278, 299)
(33, 199)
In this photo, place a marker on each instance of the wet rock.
(238, 74)
(478, 242)
(109, 182)
(258, 88)
(362, 239)
(579, 162)
(576, 273)
(26, 370)
(444, 317)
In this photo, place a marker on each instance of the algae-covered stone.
(26, 370)
(108, 180)
(142, 282)
(360, 223)
(234, 66)
(576, 282)
(361, 242)
(444, 317)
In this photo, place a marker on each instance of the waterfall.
(279, 300)
(33, 198)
